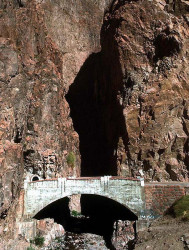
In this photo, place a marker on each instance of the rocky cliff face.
(119, 69)
(42, 46)
(132, 96)
(148, 42)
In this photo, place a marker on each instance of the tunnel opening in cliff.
(98, 216)
(35, 178)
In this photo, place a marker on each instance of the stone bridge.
(127, 191)
(146, 200)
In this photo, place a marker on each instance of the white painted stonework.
(41, 193)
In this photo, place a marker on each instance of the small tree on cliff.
(71, 159)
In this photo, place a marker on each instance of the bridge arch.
(92, 201)
(40, 209)
(52, 210)
(43, 205)
(99, 214)
(39, 194)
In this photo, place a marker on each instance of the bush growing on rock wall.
(38, 241)
(71, 159)
(75, 213)
(181, 208)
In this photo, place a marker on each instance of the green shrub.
(75, 213)
(39, 241)
(181, 208)
(71, 159)
(59, 239)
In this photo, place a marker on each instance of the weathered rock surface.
(42, 47)
(132, 96)
(49, 230)
(125, 79)
(151, 44)
(123, 235)
(78, 242)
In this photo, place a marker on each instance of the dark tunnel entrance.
(35, 178)
(98, 216)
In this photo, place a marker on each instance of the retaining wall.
(159, 197)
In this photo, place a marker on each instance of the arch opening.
(99, 215)
(35, 178)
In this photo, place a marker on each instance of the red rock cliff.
(132, 96)
(42, 47)
(124, 79)
(149, 41)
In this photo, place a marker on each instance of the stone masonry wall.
(40, 194)
(160, 197)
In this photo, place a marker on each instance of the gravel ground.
(73, 241)
(165, 233)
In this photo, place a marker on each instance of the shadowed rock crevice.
(20, 4)
(97, 117)
(166, 45)
(18, 135)
(95, 109)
